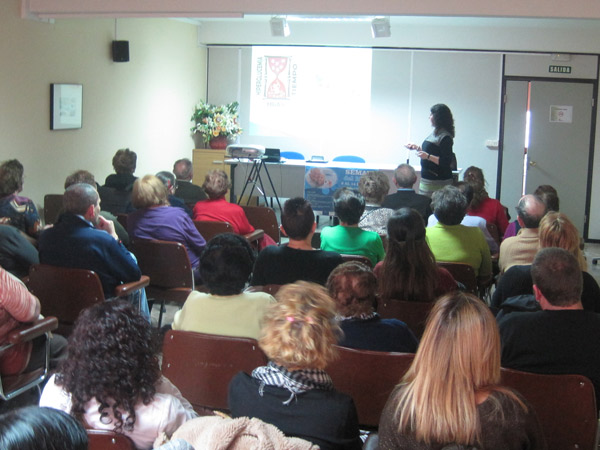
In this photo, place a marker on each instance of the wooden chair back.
(209, 229)
(565, 405)
(359, 258)
(493, 230)
(202, 365)
(263, 218)
(52, 207)
(168, 266)
(122, 219)
(108, 440)
(414, 314)
(369, 377)
(64, 292)
(463, 273)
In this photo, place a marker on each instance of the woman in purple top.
(156, 219)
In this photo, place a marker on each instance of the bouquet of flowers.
(212, 121)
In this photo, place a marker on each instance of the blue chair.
(349, 158)
(292, 155)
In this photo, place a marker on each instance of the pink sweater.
(17, 305)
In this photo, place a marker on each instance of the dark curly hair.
(124, 161)
(442, 119)
(11, 177)
(112, 357)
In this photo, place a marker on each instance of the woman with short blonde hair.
(557, 230)
(216, 184)
(451, 393)
(293, 392)
(149, 191)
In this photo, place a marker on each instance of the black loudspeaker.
(120, 51)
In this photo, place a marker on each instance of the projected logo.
(277, 77)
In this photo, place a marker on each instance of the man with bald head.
(522, 248)
(186, 190)
(404, 178)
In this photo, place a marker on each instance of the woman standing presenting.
(436, 151)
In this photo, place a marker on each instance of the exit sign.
(559, 69)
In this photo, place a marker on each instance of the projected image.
(316, 92)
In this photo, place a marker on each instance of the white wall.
(144, 104)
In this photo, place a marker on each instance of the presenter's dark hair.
(124, 161)
(112, 357)
(297, 218)
(226, 264)
(349, 205)
(35, 428)
(449, 205)
(442, 119)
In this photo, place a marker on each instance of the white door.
(550, 145)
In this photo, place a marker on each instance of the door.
(550, 145)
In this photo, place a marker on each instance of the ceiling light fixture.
(380, 27)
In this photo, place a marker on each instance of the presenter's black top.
(439, 145)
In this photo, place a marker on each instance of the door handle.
(532, 163)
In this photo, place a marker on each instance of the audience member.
(482, 205)
(20, 212)
(562, 338)
(17, 254)
(452, 242)
(471, 221)
(34, 428)
(82, 239)
(556, 230)
(83, 176)
(451, 393)
(548, 195)
(225, 267)
(374, 186)
(297, 260)
(154, 218)
(188, 192)
(347, 237)
(409, 271)
(405, 178)
(353, 287)
(216, 208)
(116, 192)
(293, 392)
(111, 378)
(168, 179)
(521, 249)
(18, 306)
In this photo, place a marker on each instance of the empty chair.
(263, 218)
(369, 378)
(209, 229)
(52, 207)
(463, 273)
(65, 292)
(414, 314)
(292, 155)
(349, 158)
(202, 365)
(12, 386)
(565, 405)
(108, 440)
(168, 266)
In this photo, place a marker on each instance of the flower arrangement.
(212, 121)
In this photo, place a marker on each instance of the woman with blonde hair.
(155, 218)
(293, 392)
(451, 393)
(556, 230)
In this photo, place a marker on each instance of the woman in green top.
(347, 238)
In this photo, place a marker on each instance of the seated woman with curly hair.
(111, 378)
(374, 186)
(293, 392)
(353, 287)
(451, 395)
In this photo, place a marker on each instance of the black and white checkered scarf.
(297, 381)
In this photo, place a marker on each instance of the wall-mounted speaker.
(120, 51)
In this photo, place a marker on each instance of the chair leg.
(160, 315)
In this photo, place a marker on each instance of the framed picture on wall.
(65, 106)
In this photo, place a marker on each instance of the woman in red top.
(482, 205)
